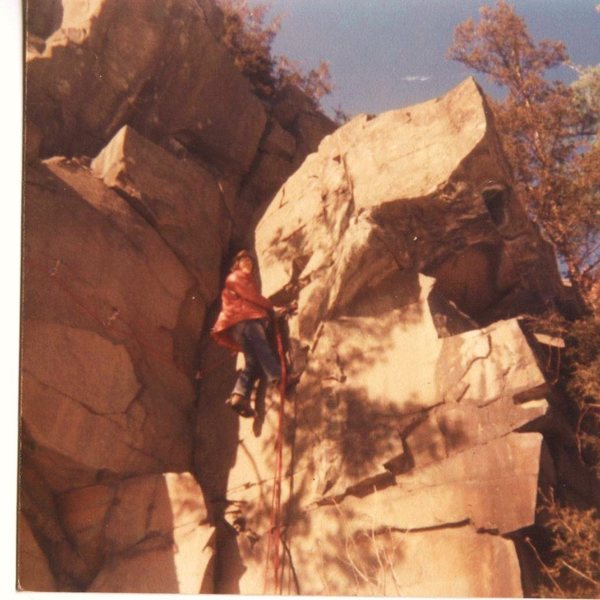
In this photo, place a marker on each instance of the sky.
(386, 54)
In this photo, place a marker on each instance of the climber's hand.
(280, 311)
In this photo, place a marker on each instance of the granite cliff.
(413, 444)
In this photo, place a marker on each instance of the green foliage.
(549, 129)
(249, 38)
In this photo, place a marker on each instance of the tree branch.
(578, 572)
(546, 569)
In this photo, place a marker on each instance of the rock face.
(409, 258)
(179, 89)
(167, 86)
(409, 445)
(182, 200)
(106, 354)
(155, 528)
(147, 155)
(104, 301)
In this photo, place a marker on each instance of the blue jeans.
(257, 353)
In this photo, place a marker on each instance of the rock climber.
(241, 326)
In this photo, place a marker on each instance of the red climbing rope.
(274, 540)
(113, 321)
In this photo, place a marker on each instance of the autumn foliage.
(550, 134)
(249, 35)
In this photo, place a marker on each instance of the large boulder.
(122, 265)
(106, 374)
(145, 534)
(179, 88)
(157, 66)
(181, 200)
(409, 257)
(426, 188)
(113, 303)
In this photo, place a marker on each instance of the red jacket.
(240, 301)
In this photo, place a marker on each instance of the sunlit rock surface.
(403, 457)
(147, 158)
(410, 442)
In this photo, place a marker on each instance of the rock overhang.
(427, 185)
(397, 259)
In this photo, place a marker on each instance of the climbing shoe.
(241, 405)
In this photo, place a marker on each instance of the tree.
(549, 129)
(315, 84)
(550, 135)
(249, 37)
(587, 104)
(249, 40)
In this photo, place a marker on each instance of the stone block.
(493, 486)
(180, 81)
(328, 560)
(156, 538)
(103, 358)
(182, 201)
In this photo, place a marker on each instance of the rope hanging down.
(274, 552)
(274, 539)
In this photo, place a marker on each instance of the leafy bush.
(250, 37)
(574, 567)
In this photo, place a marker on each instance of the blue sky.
(385, 54)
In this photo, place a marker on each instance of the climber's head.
(243, 261)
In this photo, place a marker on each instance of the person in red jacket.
(241, 326)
